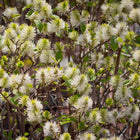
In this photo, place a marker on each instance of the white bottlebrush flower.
(134, 112)
(21, 138)
(46, 56)
(34, 116)
(14, 26)
(63, 7)
(83, 104)
(98, 59)
(85, 16)
(136, 55)
(116, 81)
(86, 136)
(95, 116)
(50, 129)
(15, 80)
(104, 32)
(9, 12)
(112, 117)
(121, 29)
(43, 44)
(23, 100)
(27, 48)
(34, 110)
(56, 25)
(38, 4)
(135, 15)
(104, 7)
(122, 94)
(46, 11)
(134, 80)
(8, 46)
(27, 33)
(127, 5)
(79, 82)
(9, 33)
(26, 85)
(75, 18)
(41, 75)
(73, 35)
(65, 136)
(71, 72)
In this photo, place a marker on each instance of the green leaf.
(28, 6)
(89, 4)
(59, 35)
(47, 138)
(30, 13)
(81, 125)
(86, 58)
(55, 10)
(26, 134)
(67, 120)
(82, 27)
(114, 43)
(138, 39)
(39, 25)
(58, 55)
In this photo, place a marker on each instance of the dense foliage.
(70, 70)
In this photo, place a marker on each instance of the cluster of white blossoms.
(135, 15)
(134, 80)
(27, 33)
(78, 81)
(56, 25)
(34, 110)
(95, 117)
(132, 112)
(104, 32)
(42, 10)
(65, 136)
(44, 51)
(48, 75)
(20, 82)
(10, 12)
(84, 103)
(127, 5)
(76, 18)
(116, 81)
(123, 94)
(63, 7)
(51, 129)
(86, 136)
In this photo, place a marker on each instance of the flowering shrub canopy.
(70, 70)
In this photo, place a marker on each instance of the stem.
(117, 61)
